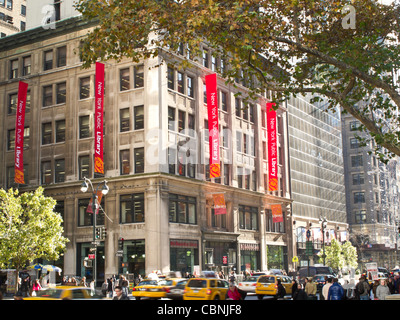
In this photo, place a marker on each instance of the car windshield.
(49, 293)
(251, 279)
(319, 278)
(148, 283)
(197, 283)
(266, 280)
(181, 284)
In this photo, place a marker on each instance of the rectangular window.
(171, 160)
(11, 139)
(182, 209)
(60, 131)
(238, 141)
(124, 156)
(12, 103)
(84, 167)
(248, 218)
(171, 78)
(23, 10)
(62, 56)
(205, 58)
(360, 216)
(26, 66)
(14, 69)
(191, 125)
(26, 137)
(84, 88)
(124, 120)
(84, 127)
(47, 133)
(226, 174)
(46, 177)
(238, 107)
(190, 86)
(181, 120)
(171, 119)
(359, 197)
(358, 178)
(9, 4)
(224, 105)
(251, 112)
(48, 60)
(357, 161)
(47, 96)
(124, 79)
(132, 208)
(61, 93)
(59, 170)
(139, 160)
(139, 76)
(85, 216)
(354, 144)
(139, 117)
(180, 82)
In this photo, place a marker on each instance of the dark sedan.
(176, 292)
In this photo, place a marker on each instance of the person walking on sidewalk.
(336, 291)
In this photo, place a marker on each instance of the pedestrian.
(373, 291)
(109, 288)
(300, 294)
(336, 291)
(25, 286)
(83, 282)
(325, 288)
(382, 290)
(36, 287)
(232, 277)
(104, 287)
(294, 287)
(233, 293)
(362, 289)
(391, 286)
(281, 291)
(311, 289)
(124, 283)
(120, 295)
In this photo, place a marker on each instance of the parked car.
(176, 292)
(320, 280)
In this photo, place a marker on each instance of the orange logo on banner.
(276, 213)
(273, 184)
(19, 177)
(99, 165)
(215, 170)
(219, 203)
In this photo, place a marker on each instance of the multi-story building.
(372, 198)
(155, 115)
(12, 17)
(316, 176)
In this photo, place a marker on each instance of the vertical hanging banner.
(212, 108)
(219, 203)
(98, 201)
(272, 149)
(98, 115)
(19, 133)
(277, 215)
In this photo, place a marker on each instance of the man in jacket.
(336, 291)
(363, 289)
(120, 295)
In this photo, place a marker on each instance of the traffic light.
(103, 233)
(121, 244)
(97, 233)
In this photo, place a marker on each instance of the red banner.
(19, 133)
(219, 203)
(277, 215)
(97, 204)
(98, 127)
(272, 149)
(213, 127)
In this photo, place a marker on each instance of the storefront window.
(184, 255)
(134, 257)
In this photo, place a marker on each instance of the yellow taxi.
(65, 293)
(267, 285)
(205, 289)
(155, 289)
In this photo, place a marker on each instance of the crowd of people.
(333, 290)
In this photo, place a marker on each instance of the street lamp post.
(104, 191)
(323, 223)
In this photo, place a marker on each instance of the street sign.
(295, 259)
(224, 260)
(309, 248)
(91, 256)
(119, 254)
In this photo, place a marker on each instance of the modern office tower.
(316, 176)
(155, 121)
(12, 17)
(372, 198)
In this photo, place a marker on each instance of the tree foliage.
(339, 255)
(289, 47)
(29, 228)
